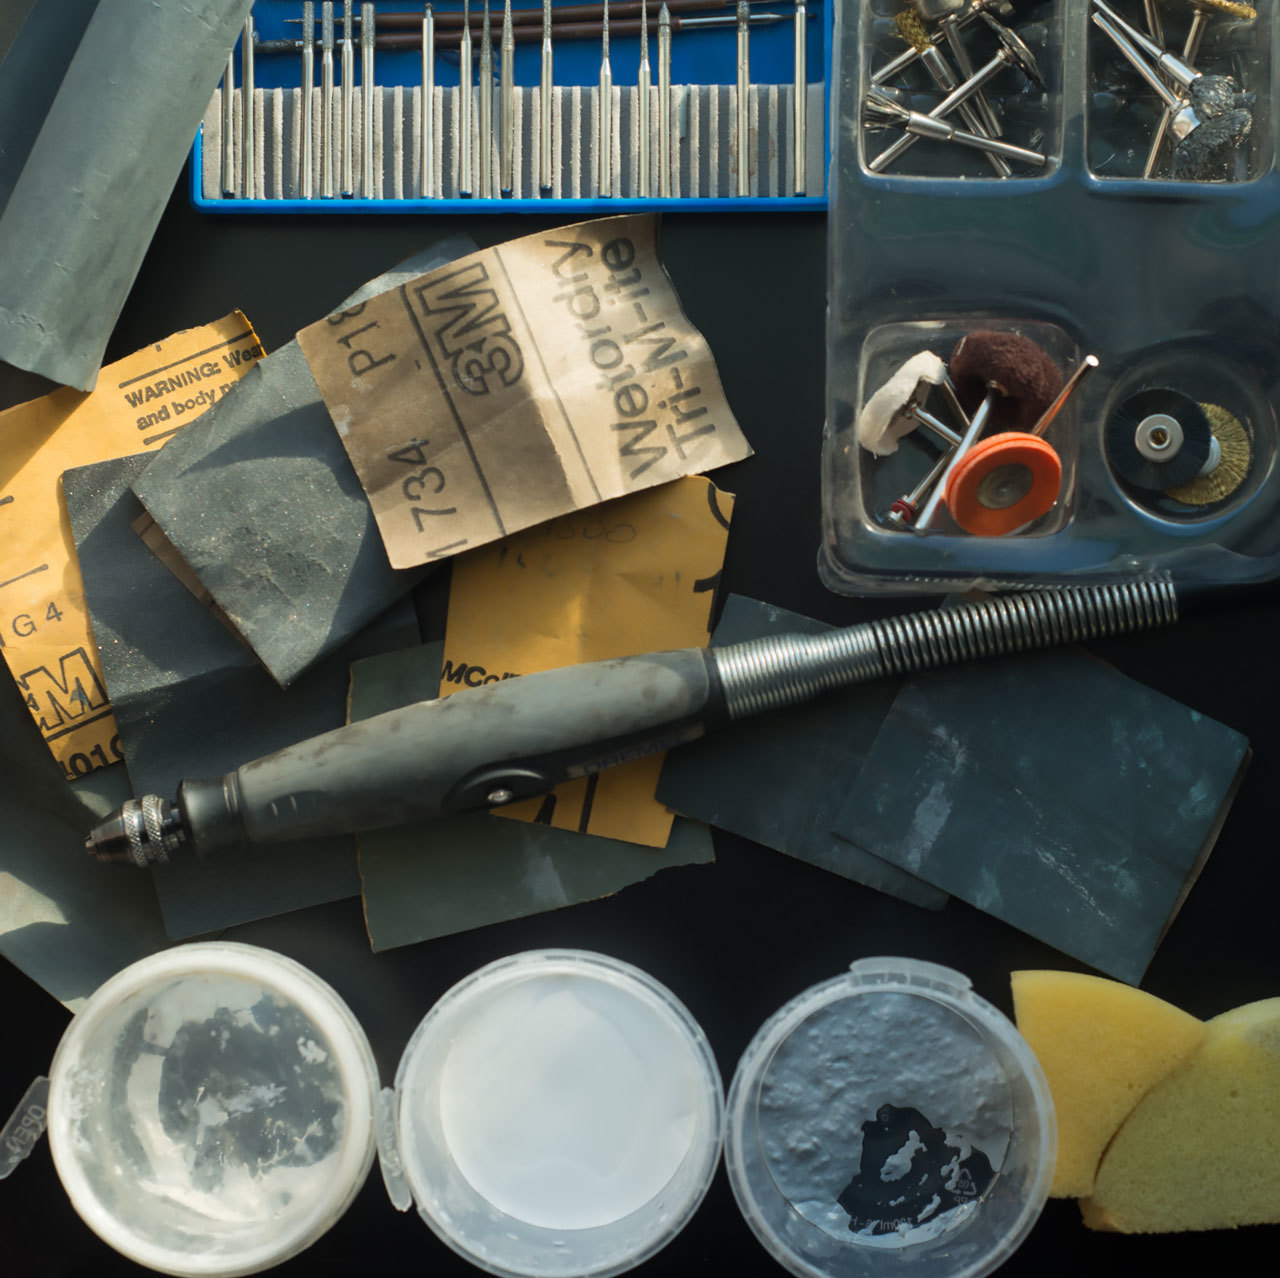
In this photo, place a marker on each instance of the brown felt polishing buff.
(1023, 378)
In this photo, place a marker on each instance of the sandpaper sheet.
(261, 503)
(780, 779)
(1053, 792)
(630, 576)
(140, 401)
(520, 384)
(191, 700)
(448, 876)
(66, 921)
(99, 174)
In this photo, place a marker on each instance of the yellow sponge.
(1199, 1152)
(1102, 1046)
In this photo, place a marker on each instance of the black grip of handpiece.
(481, 747)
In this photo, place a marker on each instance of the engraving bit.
(664, 102)
(308, 86)
(486, 108)
(604, 148)
(642, 102)
(248, 125)
(426, 181)
(507, 100)
(464, 103)
(348, 86)
(326, 99)
(546, 90)
(799, 138)
(228, 126)
(367, 87)
(744, 97)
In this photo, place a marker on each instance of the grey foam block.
(259, 498)
(191, 700)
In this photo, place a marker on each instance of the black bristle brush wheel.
(1157, 439)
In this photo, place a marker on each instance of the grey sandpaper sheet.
(1053, 792)
(259, 498)
(435, 879)
(31, 75)
(191, 700)
(97, 177)
(67, 921)
(779, 780)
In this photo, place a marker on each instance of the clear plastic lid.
(559, 1113)
(211, 1110)
(890, 1121)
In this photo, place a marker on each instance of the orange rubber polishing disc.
(1002, 483)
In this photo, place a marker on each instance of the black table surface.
(737, 939)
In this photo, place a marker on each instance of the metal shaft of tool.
(643, 183)
(800, 104)
(958, 95)
(531, 15)
(742, 147)
(326, 100)
(546, 93)
(1134, 56)
(1151, 16)
(664, 102)
(977, 425)
(306, 186)
(903, 60)
(1047, 418)
(228, 126)
(465, 183)
(368, 88)
(486, 108)
(950, 28)
(1174, 67)
(348, 101)
(926, 126)
(426, 115)
(248, 121)
(604, 142)
(1190, 51)
(507, 98)
(941, 74)
(903, 510)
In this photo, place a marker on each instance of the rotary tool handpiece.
(518, 738)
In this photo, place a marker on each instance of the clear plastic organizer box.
(1150, 245)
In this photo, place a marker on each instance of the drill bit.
(464, 103)
(308, 84)
(604, 142)
(744, 97)
(326, 100)
(348, 98)
(427, 115)
(486, 108)
(544, 102)
(507, 100)
(248, 125)
(367, 34)
(799, 138)
(228, 126)
(664, 102)
(642, 101)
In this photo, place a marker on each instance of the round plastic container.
(558, 1113)
(211, 1110)
(215, 1108)
(890, 1121)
